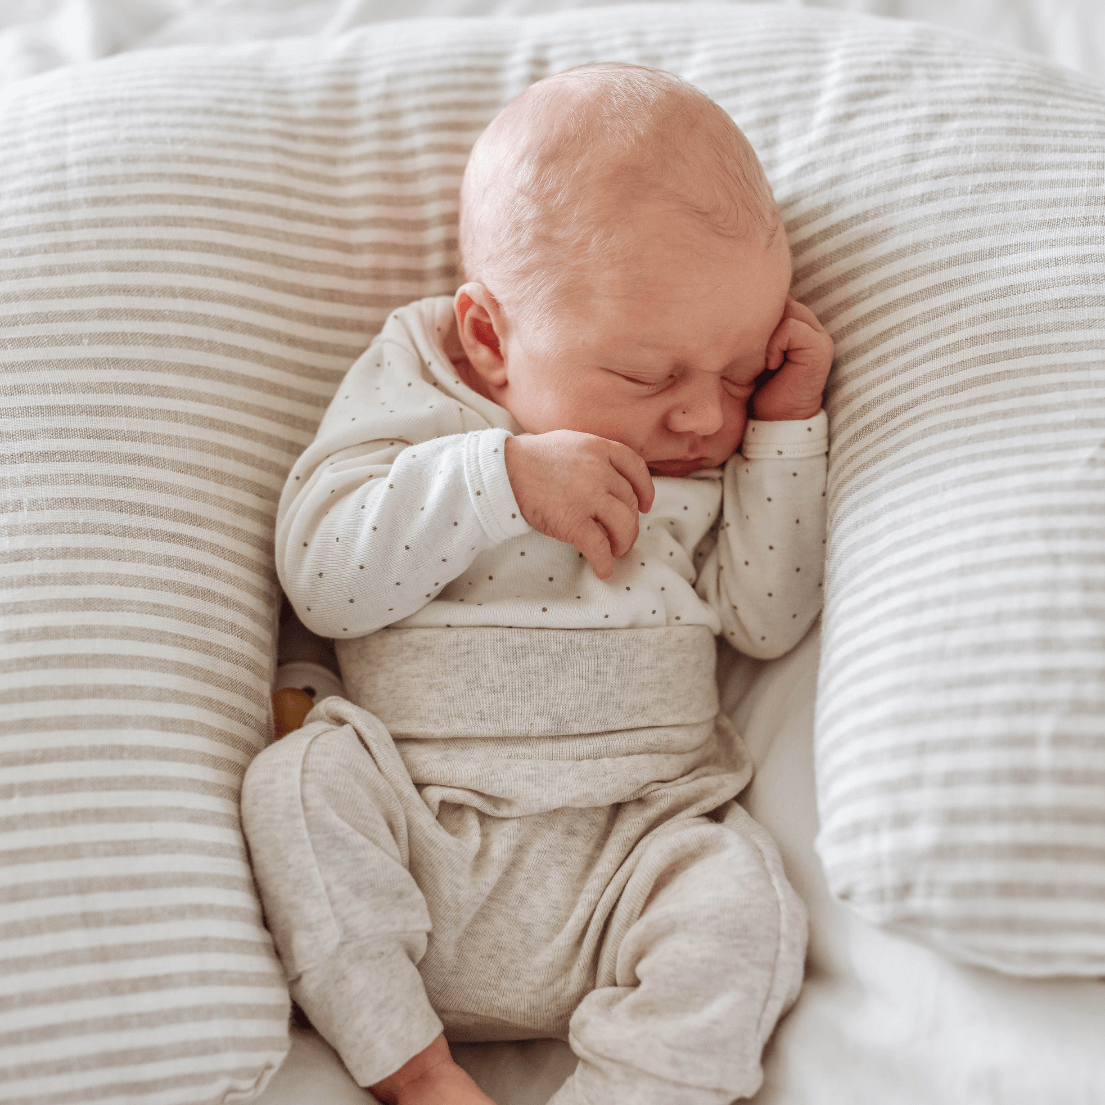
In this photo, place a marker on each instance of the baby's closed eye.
(647, 383)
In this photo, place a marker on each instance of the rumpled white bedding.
(852, 1039)
(37, 35)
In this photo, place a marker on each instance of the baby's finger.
(797, 342)
(621, 523)
(634, 469)
(800, 311)
(592, 541)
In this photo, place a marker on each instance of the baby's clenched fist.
(581, 489)
(799, 356)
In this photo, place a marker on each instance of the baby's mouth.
(678, 467)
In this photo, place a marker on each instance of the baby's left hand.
(800, 355)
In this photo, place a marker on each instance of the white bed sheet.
(851, 1040)
(37, 35)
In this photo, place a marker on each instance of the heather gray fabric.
(603, 908)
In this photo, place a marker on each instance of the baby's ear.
(480, 324)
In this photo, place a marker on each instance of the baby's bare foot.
(430, 1078)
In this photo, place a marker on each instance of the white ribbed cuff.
(807, 437)
(489, 485)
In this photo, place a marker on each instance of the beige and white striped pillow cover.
(194, 247)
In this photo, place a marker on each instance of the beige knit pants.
(598, 886)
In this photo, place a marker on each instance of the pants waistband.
(497, 681)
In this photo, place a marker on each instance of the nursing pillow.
(195, 246)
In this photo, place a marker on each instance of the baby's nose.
(698, 412)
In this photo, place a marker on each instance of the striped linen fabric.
(960, 734)
(196, 244)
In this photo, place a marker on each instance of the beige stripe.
(202, 1088)
(233, 631)
(85, 815)
(46, 148)
(221, 979)
(1038, 652)
(129, 666)
(1024, 815)
(147, 1019)
(142, 307)
(330, 295)
(229, 1040)
(91, 920)
(908, 413)
(113, 453)
(52, 347)
(965, 748)
(948, 565)
(350, 179)
(117, 753)
(997, 891)
(300, 140)
(272, 405)
(181, 949)
(251, 586)
(80, 438)
(256, 536)
(279, 239)
(126, 787)
(1009, 779)
(241, 661)
(88, 693)
(224, 326)
(109, 849)
(43, 890)
(132, 722)
(184, 209)
(174, 484)
(163, 249)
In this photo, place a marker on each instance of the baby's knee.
(317, 781)
(725, 857)
(724, 880)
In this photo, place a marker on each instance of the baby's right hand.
(581, 489)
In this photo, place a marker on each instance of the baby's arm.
(392, 482)
(380, 529)
(764, 575)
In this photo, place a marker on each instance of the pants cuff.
(369, 1004)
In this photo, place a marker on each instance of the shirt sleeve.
(377, 541)
(401, 489)
(764, 574)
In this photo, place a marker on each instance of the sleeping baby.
(524, 521)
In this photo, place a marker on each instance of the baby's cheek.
(728, 439)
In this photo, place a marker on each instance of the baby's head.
(624, 264)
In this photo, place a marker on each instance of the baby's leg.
(329, 827)
(704, 954)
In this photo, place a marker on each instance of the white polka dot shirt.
(401, 513)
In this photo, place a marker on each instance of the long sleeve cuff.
(489, 485)
(808, 437)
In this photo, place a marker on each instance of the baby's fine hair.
(550, 181)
